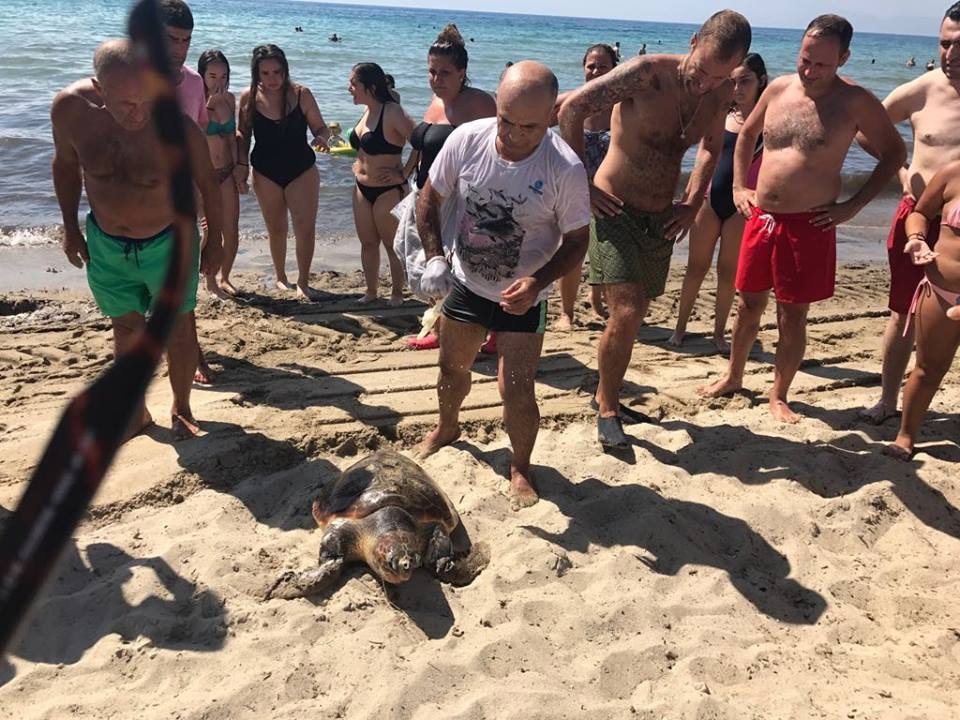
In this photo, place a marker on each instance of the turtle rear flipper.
(463, 570)
(292, 584)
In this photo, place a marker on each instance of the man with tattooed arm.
(662, 105)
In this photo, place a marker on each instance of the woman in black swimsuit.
(378, 138)
(276, 113)
(718, 217)
(454, 103)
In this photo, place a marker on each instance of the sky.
(916, 17)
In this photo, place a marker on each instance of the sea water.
(47, 44)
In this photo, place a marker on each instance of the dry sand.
(724, 567)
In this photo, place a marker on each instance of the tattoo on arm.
(619, 84)
(428, 221)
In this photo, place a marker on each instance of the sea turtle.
(386, 511)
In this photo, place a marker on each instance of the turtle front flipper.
(463, 570)
(292, 584)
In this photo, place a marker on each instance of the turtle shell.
(385, 479)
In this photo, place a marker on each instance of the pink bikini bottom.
(948, 296)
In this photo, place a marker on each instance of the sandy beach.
(723, 567)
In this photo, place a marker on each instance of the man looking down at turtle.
(808, 121)
(105, 140)
(662, 105)
(523, 218)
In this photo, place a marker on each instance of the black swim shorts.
(465, 306)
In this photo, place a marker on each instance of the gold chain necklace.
(684, 126)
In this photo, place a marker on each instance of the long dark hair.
(754, 63)
(373, 79)
(261, 53)
(449, 44)
(209, 57)
(605, 48)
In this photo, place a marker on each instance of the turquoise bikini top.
(226, 128)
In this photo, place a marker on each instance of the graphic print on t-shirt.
(489, 237)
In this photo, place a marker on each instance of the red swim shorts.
(785, 252)
(904, 275)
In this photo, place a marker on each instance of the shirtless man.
(808, 121)
(932, 105)
(522, 216)
(104, 139)
(662, 104)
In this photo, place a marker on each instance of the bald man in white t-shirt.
(523, 209)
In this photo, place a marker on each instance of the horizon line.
(580, 17)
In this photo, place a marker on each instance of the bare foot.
(522, 492)
(228, 287)
(954, 312)
(879, 413)
(305, 292)
(146, 421)
(368, 298)
(782, 413)
(396, 300)
(726, 386)
(204, 376)
(284, 284)
(184, 426)
(434, 441)
(721, 344)
(676, 340)
(563, 323)
(899, 449)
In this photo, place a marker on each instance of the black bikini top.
(373, 142)
(428, 138)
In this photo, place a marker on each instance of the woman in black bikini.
(378, 138)
(454, 103)
(718, 217)
(277, 113)
(221, 133)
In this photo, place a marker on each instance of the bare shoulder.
(779, 85)
(856, 93)
(74, 100)
(479, 101)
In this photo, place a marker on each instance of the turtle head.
(395, 556)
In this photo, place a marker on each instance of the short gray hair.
(113, 55)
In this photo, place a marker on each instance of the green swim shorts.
(126, 274)
(631, 248)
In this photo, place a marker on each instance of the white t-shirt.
(511, 215)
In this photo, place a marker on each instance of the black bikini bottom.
(370, 194)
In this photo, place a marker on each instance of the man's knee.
(183, 333)
(517, 389)
(628, 310)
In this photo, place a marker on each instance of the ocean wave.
(30, 236)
